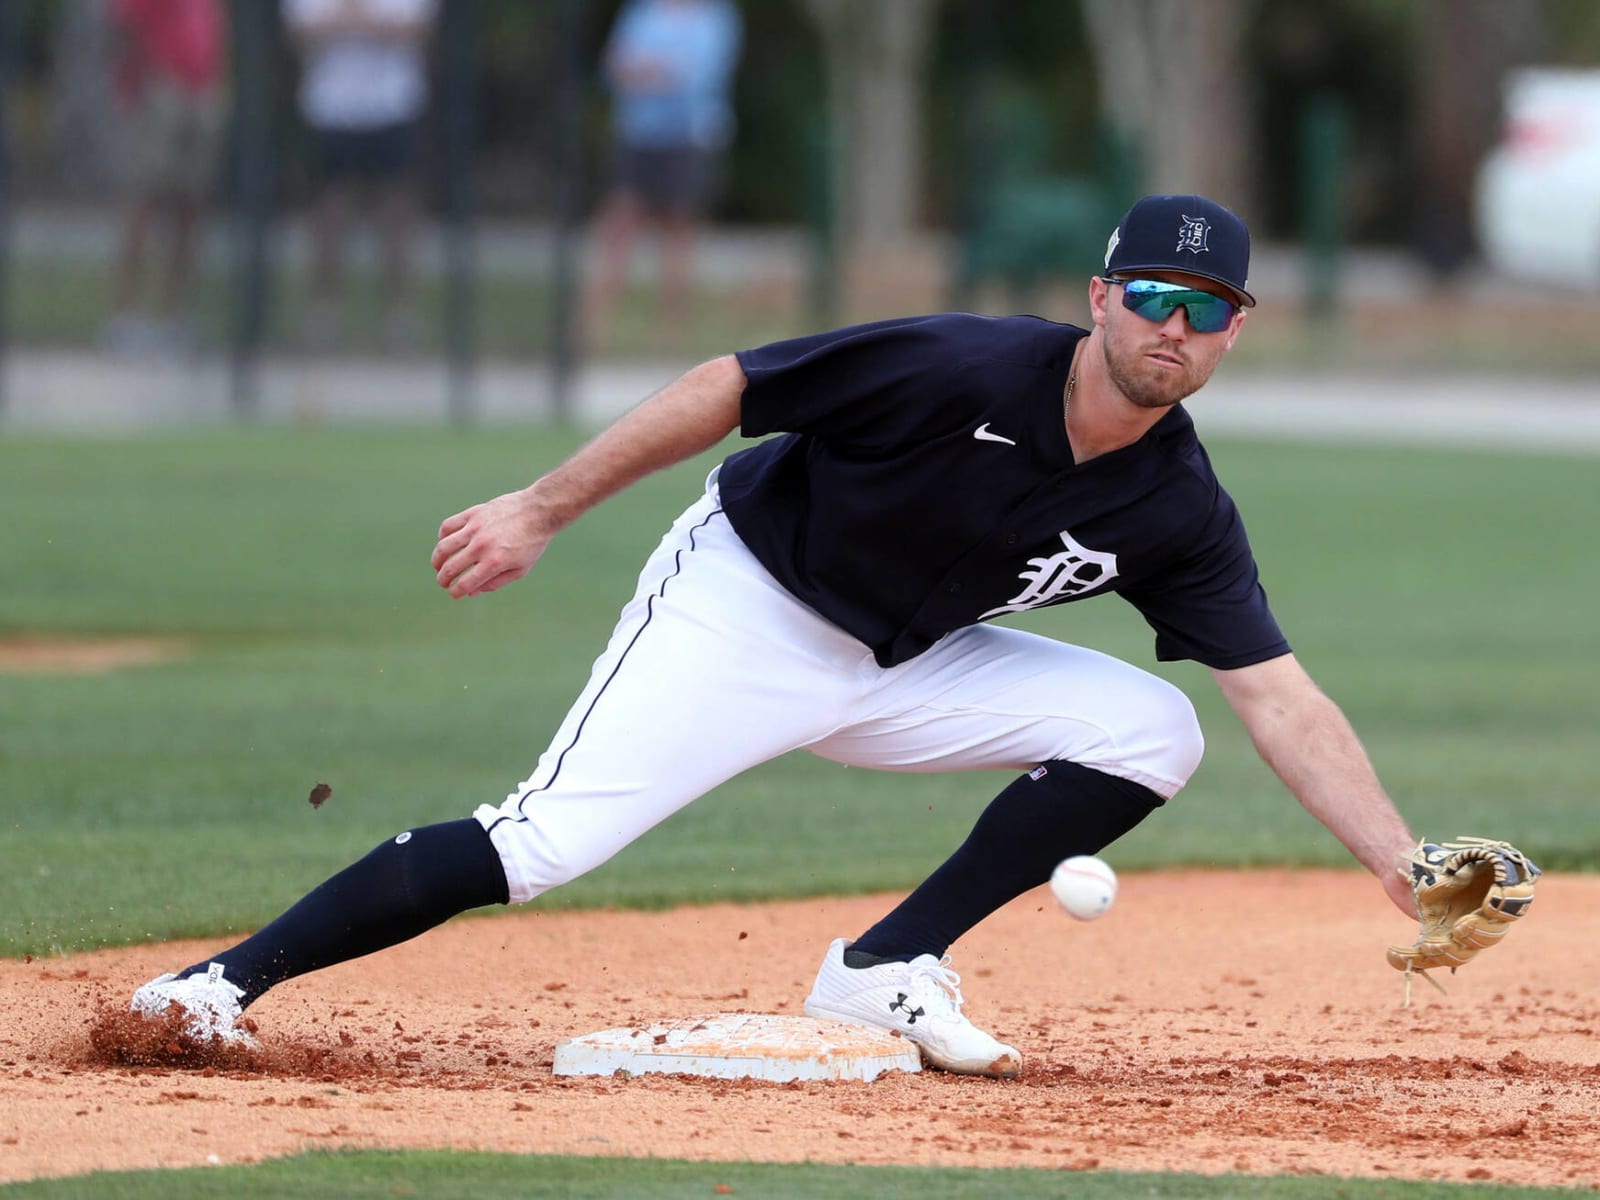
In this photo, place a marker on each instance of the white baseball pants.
(714, 667)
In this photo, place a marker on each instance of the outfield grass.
(1444, 598)
(381, 1176)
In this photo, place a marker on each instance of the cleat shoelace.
(939, 981)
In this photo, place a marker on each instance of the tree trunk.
(1463, 49)
(1171, 78)
(876, 54)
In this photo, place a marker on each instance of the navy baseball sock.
(406, 886)
(1050, 814)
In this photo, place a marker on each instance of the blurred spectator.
(170, 62)
(363, 94)
(669, 64)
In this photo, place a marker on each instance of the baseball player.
(832, 590)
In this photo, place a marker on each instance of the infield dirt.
(1213, 1022)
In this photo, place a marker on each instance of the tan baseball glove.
(1469, 892)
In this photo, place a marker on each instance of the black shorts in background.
(671, 180)
(373, 155)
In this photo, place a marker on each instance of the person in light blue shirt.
(669, 65)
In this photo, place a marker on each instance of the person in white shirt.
(363, 93)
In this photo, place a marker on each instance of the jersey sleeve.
(1209, 606)
(868, 383)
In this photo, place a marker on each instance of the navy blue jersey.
(925, 482)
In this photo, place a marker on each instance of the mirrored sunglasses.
(1154, 300)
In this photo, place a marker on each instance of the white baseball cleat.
(920, 1000)
(208, 1003)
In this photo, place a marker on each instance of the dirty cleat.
(208, 1003)
(920, 1000)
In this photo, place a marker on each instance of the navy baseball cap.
(1183, 233)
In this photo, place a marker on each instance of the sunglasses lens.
(1154, 301)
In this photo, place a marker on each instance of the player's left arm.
(1309, 743)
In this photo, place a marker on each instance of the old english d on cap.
(1183, 233)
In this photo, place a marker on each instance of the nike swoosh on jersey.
(983, 435)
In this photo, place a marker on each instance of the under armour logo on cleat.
(911, 1013)
(983, 435)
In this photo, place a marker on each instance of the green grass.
(1443, 598)
(440, 1176)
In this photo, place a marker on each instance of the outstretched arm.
(1306, 740)
(497, 542)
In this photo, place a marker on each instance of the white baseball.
(1084, 885)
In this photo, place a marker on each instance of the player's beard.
(1143, 383)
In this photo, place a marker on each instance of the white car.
(1538, 191)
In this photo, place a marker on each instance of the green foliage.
(375, 1175)
(1437, 596)
(1574, 32)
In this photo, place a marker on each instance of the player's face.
(1155, 364)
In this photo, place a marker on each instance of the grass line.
(369, 1175)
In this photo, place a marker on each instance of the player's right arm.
(497, 542)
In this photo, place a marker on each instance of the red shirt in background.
(180, 40)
